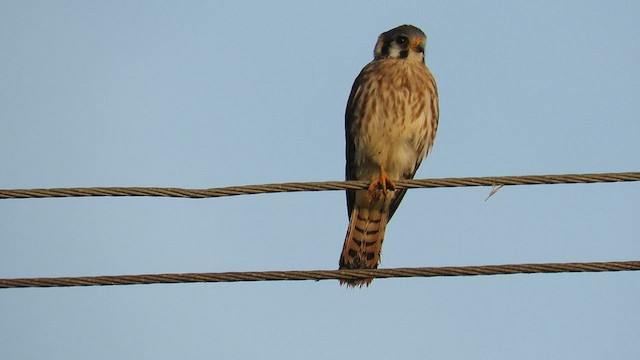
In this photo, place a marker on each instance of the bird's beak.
(418, 44)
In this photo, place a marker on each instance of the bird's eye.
(402, 40)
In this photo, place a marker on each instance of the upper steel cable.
(318, 186)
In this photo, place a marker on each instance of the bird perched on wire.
(390, 125)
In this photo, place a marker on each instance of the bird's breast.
(394, 118)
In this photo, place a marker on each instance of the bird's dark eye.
(402, 40)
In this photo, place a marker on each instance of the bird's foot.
(381, 185)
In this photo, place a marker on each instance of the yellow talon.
(384, 182)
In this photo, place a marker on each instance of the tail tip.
(352, 284)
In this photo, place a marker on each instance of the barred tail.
(363, 242)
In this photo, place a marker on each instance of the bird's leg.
(384, 183)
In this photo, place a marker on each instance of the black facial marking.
(404, 54)
(385, 48)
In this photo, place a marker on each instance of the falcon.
(390, 126)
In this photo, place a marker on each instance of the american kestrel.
(390, 124)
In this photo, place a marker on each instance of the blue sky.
(208, 94)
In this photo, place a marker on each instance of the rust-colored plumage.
(390, 125)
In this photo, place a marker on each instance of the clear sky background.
(208, 94)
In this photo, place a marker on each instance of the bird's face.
(404, 42)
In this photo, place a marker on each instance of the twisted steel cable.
(318, 186)
(321, 274)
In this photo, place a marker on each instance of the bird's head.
(403, 42)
